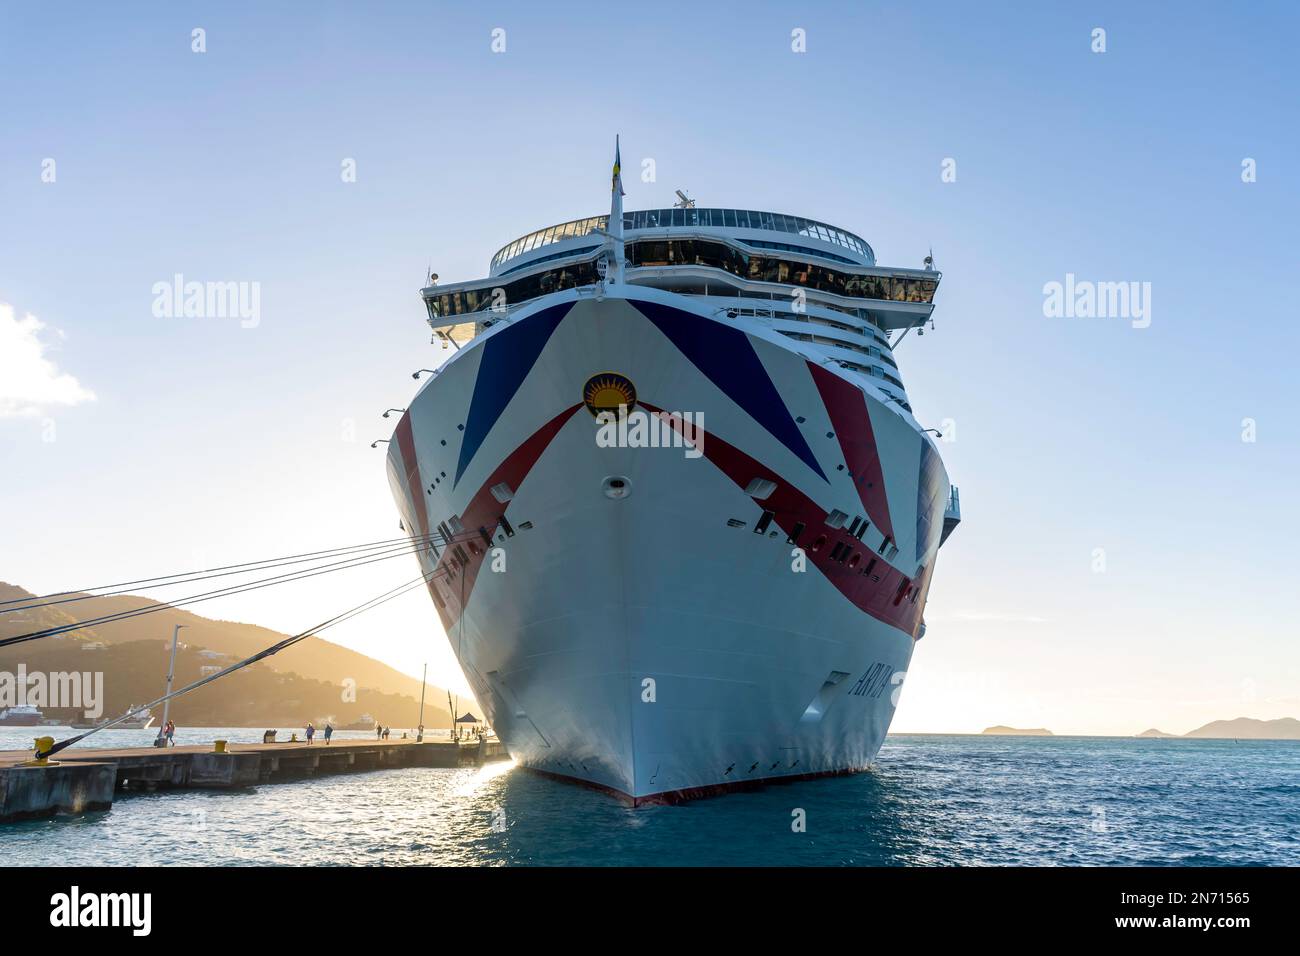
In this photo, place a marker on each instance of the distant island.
(1247, 728)
(1241, 728)
(1003, 731)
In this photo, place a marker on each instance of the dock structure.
(80, 781)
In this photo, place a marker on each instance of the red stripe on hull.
(411, 466)
(414, 484)
(873, 593)
(451, 591)
(847, 407)
(673, 797)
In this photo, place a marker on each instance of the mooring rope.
(352, 561)
(185, 577)
(374, 602)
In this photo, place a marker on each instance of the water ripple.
(928, 801)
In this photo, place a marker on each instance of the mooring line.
(185, 577)
(353, 561)
(374, 602)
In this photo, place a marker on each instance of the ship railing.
(732, 311)
(489, 314)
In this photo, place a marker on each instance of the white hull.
(642, 644)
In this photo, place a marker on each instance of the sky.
(1126, 557)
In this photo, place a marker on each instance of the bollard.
(218, 746)
(42, 744)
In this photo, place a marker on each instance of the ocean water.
(929, 800)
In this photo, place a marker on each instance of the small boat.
(21, 715)
(138, 720)
(364, 722)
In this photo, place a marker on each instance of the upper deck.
(757, 229)
(803, 279)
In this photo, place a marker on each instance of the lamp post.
(399, 411)
(419, 734)
(161, 740)
(378, 441)
(419, 372)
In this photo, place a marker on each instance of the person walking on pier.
(379, 731)
(311, 732)
(329, 732)
(170, 733)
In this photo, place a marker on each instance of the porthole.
(616, 487)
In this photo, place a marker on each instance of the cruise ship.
(677, 517)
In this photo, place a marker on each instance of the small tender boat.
(138, 720)
(364, 722)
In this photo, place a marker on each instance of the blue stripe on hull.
(508, 357)
(727, 357)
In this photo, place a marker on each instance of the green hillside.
(307, 681)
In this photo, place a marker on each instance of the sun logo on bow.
(607, 391)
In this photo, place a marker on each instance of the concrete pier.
(78, 781)
(63, 788)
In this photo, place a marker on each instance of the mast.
(616, 219)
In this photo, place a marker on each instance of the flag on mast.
(617, 185)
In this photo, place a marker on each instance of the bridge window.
(656, 218)
(760, 268)
(520, 290)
